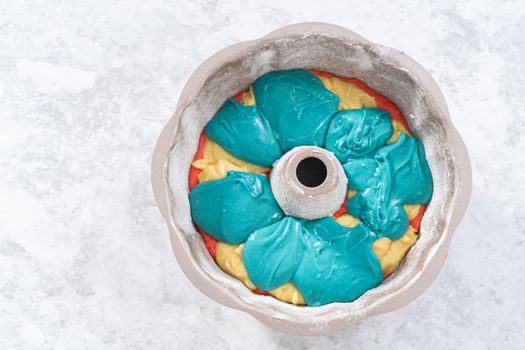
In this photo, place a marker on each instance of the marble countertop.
(85, 88)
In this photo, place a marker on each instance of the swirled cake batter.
(309, 262)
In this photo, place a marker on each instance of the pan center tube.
(309, 182)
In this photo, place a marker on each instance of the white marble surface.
(85, 89)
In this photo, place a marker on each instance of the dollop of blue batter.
(257, 145)
(297, 106)
(356, 133)
(325, 261)
(395, 175)
(230, 209)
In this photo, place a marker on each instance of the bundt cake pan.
(344, 53)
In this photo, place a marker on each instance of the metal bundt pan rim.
(446, 151)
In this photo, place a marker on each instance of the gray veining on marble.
(85, 89)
